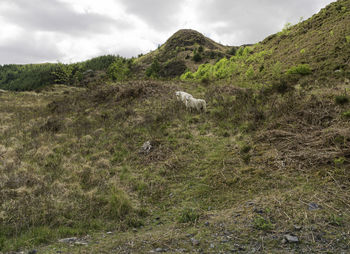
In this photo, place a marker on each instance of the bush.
(197, 57)
(187, 76)
(262, 223)
(154, 70)
(232, 51)
(119, 70)
(347, 114)
(341, 99)
(99, 63)
(301, 69)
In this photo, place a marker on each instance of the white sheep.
(198, 104)
(182, 96)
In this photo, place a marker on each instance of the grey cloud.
(56, 16)
(158, 14)
(28, 50)
(254, 20)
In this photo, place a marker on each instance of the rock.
(158, 250)
(297, 227)
(212, 245)
(146, 147)
(80, 243)
(313, 206)
(291, 238)
(207, 223)
(195, 242)
(33, 252)
(68, 240)
(258, 210)
(109, 233)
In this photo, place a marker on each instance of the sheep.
(198, 104)
(182, 96)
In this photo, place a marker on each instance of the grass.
(87, 166)
(236, 178)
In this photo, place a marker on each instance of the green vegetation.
(120, 69)
(342, 99)
(347, 38)
(269, 157)
(262, 223)
(301, 69)
(154, 70)
(35, 76)
(188, 215)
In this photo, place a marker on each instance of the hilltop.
(264, 170)
(184, 50)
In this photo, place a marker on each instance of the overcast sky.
(34, 31)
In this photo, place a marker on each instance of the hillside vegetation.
(306, 53)
(102, 153)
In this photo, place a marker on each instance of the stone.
(291, 238)
(68, 240)
(313, 206)
(33, 252)
(195, 242)
(80, 243)
(207, 223)
(297, 227)
(146, 147)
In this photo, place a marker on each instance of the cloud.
(158, 14)
(251, 21)
(56, 16)
(75, 30)
(29, 48)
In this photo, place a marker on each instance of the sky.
(37, 31)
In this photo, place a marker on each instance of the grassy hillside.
(313, 52)
(185, 50)
(259, 165)
(264, 170)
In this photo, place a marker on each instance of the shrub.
(99, 63)
(347, 114)
(200, 49)
(301, 69)
(232, 51)
(187, 76)
(339, 161)
(154, 70)
(262, 223)
(197, 57)
(341, 99)
(119, 70)
(347, 38)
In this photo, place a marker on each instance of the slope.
(179, 53)
(316, 50)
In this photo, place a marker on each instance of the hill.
(186, 49)
(123, 167)
(315, 51)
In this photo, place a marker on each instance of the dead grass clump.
(86, 139)
(103, 163)
(43, 152)
(53, 124)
